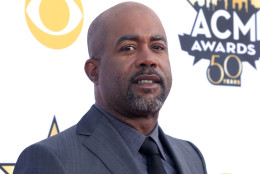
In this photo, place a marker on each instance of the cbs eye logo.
(54, 23)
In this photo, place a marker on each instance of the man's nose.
(146, 59)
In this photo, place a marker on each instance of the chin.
(145, 104)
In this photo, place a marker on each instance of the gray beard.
(145, 104)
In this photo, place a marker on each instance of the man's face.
(134, 74)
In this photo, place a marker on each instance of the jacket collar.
(104, 141)
(186, 157)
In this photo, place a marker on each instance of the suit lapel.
(187, 157)
(105, 142)
(179, 159)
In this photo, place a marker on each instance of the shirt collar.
(132, 137)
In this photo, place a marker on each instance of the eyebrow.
(158, 38)
(136, 38)
(127, 37)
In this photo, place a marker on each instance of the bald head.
(105, 23)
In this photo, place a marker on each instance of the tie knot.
(149, 147)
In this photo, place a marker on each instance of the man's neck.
(143, 122)
(143, 125)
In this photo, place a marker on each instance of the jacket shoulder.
(190, 155)
(36, 157)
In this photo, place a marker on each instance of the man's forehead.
(133, 25)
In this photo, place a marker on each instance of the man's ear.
(91, 69)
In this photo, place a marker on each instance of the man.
(130, 70)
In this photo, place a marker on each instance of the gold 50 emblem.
(225, 73)
(54, 23)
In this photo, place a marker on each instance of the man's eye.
(158, 47)
(128, 48)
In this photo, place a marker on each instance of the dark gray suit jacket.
(93, 146)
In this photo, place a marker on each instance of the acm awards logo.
(54, 23)
(226, 32)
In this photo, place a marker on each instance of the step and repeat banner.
(214, 48)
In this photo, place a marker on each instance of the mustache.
(148, 72)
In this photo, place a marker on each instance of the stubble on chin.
(137, 102)
(145, 104)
